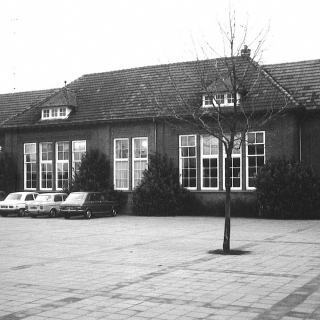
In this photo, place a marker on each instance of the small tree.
(7, 173)
(225, 97)
(93, 173)
(159, 192)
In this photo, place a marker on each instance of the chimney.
(245, 51)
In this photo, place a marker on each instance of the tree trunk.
(227, 224)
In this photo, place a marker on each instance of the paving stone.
(158, 268)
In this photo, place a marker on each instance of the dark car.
(88, 204)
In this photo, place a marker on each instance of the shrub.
(287, 189)
(160, 192)
(246, 208)
(7, 174)
(94, 175)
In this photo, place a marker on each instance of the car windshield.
(14, 196)
(75, 197)
(43, 197)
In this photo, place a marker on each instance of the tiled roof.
(136, 93)
(12, 104)
(301, 79)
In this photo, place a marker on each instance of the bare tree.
(223, 97)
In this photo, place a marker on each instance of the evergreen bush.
(7, 173)
(287, 189)
(94, 175)
(160, 192)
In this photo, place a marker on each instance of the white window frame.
(121, 160)
(62, 162)
(55, 113)
(248, 156)
(141, 161)
(30, 158)
(77, 154)
(236, 154)
(206, 103)
(209, 156)
(46, 163)
(182, 158)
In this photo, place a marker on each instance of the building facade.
(48, 131)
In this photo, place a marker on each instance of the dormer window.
(220, 99)
(55, 113)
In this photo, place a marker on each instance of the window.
(188, 161)
(30, 171)
(121, 164)
(30, 197)
(230, 98)
(210, 162)
(57, 198)
(220, 99)
(62, 171)
(235, 169)
(55, 113)
(46, 165)
(62, 112)
(78, 150)
(255, 155)
(139, 158)
(45, 113)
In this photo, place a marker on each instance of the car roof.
(86, 192)
(52, 193)
(24, 192)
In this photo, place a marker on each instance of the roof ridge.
(292, 62)
(158, 65)
(25, 92)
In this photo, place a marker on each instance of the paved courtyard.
(158, 268)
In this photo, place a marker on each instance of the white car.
(15, 203)
(46, 204)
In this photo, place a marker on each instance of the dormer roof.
(61, 98)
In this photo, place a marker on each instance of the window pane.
(259, 137)
(192, 152)
(251, 150)
(251, 137)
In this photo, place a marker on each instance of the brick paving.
(158, 268)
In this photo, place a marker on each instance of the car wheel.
(114, 212)
(4, 214)
(53, 213)
(21, 213)
(33, 216)
(67, 216)
(88, 214)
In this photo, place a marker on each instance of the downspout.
(155, 134)
(300, 142)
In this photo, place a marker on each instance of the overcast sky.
(47, 42)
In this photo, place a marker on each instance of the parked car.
(3, 195)
(87, 204)
(46, 204)
(15, 203)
